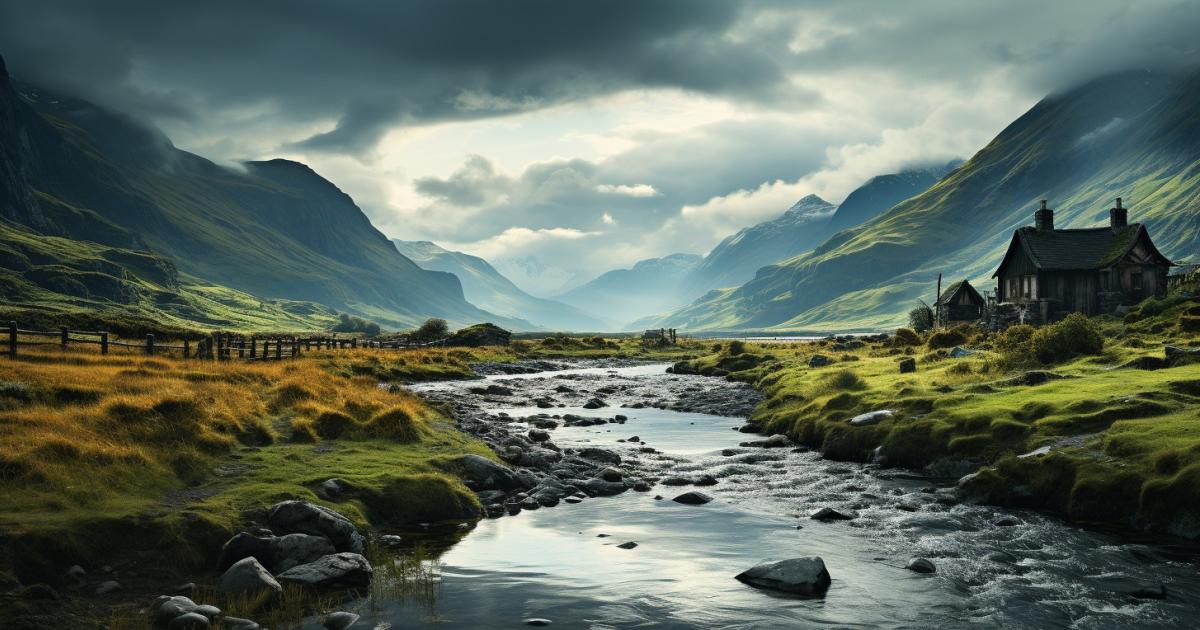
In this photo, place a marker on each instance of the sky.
(576, 137)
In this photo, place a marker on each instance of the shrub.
(1075, 335)
(290, 394)
(920, 318)
(1014, 341)
(844, 380)
(332, 424)
(948, 338)
(737, 347)
(351, 324)
(395, 424)
(906, 337)
(303, 431)
(433, 329)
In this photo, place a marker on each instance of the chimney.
(1043, 219)
(1118, 217)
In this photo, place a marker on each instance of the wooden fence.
(216, 346)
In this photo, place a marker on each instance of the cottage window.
(1136, 280)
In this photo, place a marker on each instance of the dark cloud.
(371, 65)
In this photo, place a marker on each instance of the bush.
(395, 424)
(1074, 336)
(432, 330)
(920, 318)
(843, 380)
(948, 338)
(737, 347)
(351, 324)
(332, 424)
(1014, 341)
(907, 337)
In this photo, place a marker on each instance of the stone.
(676, 481)
(609, 474)
(334, 488)
(339, 620)
(538, 435)
(627, 545)
(538, 622)
(301, 517)
(908, 365)
(818, 360)
(692, 498)
(1006, 521)
(871, 417)
(391, 540)
(601, 455)
(237, 623)
(778, 440)
(594, 403)
(166, 608)
(921, 565)
(336, 570)
(107, 587)
(248, 575)
(77, 573)
(245, 545)
(706, 480)
(295, 549)
(832, 514)
(958, 352)
(481, 473)
(538, 457)
(189, 621)
(799, 576)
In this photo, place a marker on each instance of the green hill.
(275, 230)
(489, 289)
(1134, 135)
(653, 285)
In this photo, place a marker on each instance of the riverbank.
(1095, 421)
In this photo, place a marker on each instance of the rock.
(706, 480)
(76, 573)
(107, 587)
(627, 545)
(594, 403)
(831, 514)
(237, 623)
(301, 517)
(334, 488)
(248, 575)
(210, 612)
(295, 549)
(481, 473)
(339, 620)
(641, 486)
(602, 488)
(778, 440)
(167, 608)
(391, 540)
(538, 621)
(635, 439)
(800, 576)
(601, 455)
(245, 545)
(38, 592)
(908, 365)
(189, 621)
(921, 565)
(676, 481)
(818, 360)
(1006, 521)
(622, 418)
(871, 417)
(538, 435)
(538, 457)
(692, 498)
(336, 570)
(958, 352)
(609, 474)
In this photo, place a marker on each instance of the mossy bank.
(1097, 420)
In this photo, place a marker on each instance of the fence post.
(242, 348)
(12, 340)
(65, 334)
(186, 348)
(354, 342)
(253, 347)
(150, 344)
(278, 348)
(103, 343)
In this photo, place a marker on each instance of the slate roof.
(948, 294)
(1083, 249)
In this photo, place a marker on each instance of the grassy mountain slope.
(650, 286)
(490, 290)
(276, 230)
(1135, 135)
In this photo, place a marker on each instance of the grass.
(1125, 442)
(100, 454)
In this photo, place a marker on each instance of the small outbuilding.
(960, 303)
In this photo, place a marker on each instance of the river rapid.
(996, 568)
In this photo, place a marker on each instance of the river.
(564, 564)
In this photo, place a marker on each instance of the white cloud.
(607, 219)
(636, 190)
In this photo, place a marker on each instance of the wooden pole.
(12, 340)
(253, 347)
(65, 336)
(103, 343)
(150, 344)
(186, 348)
(278, 348)
(937, 312)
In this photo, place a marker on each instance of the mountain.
(650, 286)
(488, 289)
(881, 193)
(735, 259)
(1134, 135)
(532, 276)
(272, 229)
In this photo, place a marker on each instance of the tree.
(433, 329)
(920, 318)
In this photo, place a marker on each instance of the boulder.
(692, 498)
(538, 435)
(800, 576)
(108, 586)
(301, 517)
(336, 570)
(778, 440)
(334, 489)
(921, 565)
(339, 620)
(594, 403)
(481, 473)
(818, 360)
(627, 545)
(908, 365)
(189, 621)
(538, 622)
(832, 514)
(601, 455)
(237, 623)
(959, 352)
(248, 575)
(295, 549)
(538, 457)
(166, 608)
(609, 474)
(871, 417)
(706, 480)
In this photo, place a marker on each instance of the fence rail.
(216, 346)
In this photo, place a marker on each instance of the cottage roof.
(948, 295)
(1077, 250)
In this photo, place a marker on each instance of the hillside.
(276, 229)
(882, 192)
(621, 295)
(489, 289)
(1134, 135)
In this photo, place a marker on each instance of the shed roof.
(1077, 250)
(951, 291)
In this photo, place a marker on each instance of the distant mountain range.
(489, 289)
(621, 295)
(1134, 135)
(101, 212)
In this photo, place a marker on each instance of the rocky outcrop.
(799, 576)
(336, 570)
(301, 517)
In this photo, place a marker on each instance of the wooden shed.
(960, 302)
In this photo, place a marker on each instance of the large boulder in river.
(336, 570)
(692, 498)
(481, 473)
(277, 553)
(301, 517)
(799, 576)
(248, 576)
